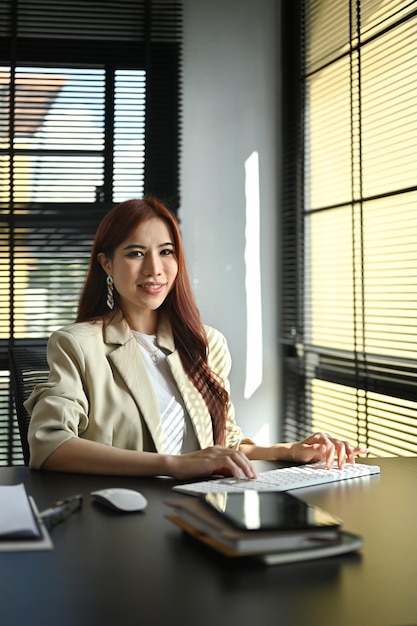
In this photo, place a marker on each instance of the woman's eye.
(135, 253)
(167, 251)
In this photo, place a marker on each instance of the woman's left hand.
(325, 447)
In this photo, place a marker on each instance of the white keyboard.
(282, 479)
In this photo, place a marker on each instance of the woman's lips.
(152, 288)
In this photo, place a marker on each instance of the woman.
(138, 386)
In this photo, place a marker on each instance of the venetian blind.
(89, 116)
(350, 326)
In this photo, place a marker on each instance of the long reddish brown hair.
(188, 331)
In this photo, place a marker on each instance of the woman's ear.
(105, 262)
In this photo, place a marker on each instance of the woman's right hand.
(213, 460)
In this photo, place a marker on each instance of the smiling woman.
(138, 385)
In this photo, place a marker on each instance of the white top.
(177, 429)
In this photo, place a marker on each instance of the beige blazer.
(99, 389)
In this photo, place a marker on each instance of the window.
(53, 179)
(89, 116)
(350, 266)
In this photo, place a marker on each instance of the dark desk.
(139, 569)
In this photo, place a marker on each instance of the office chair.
(28, 367)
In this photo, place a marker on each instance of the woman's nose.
(152, 266)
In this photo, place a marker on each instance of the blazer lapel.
(129, 364)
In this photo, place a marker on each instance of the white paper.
(16, 515)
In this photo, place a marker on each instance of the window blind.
(89, 116)
(350, 330)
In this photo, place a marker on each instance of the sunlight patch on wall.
(263, 435)
(253, 278)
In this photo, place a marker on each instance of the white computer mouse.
(120, 499)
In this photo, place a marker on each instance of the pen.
(61, 511)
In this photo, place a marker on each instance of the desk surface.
(113, 569)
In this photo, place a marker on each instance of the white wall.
(231, 98)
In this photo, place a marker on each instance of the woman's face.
(144, 268)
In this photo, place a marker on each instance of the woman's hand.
(324, 447)
(213, 460)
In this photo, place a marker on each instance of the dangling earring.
(110, 297)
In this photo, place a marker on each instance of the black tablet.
(266, 510)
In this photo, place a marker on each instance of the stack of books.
(272, 527)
